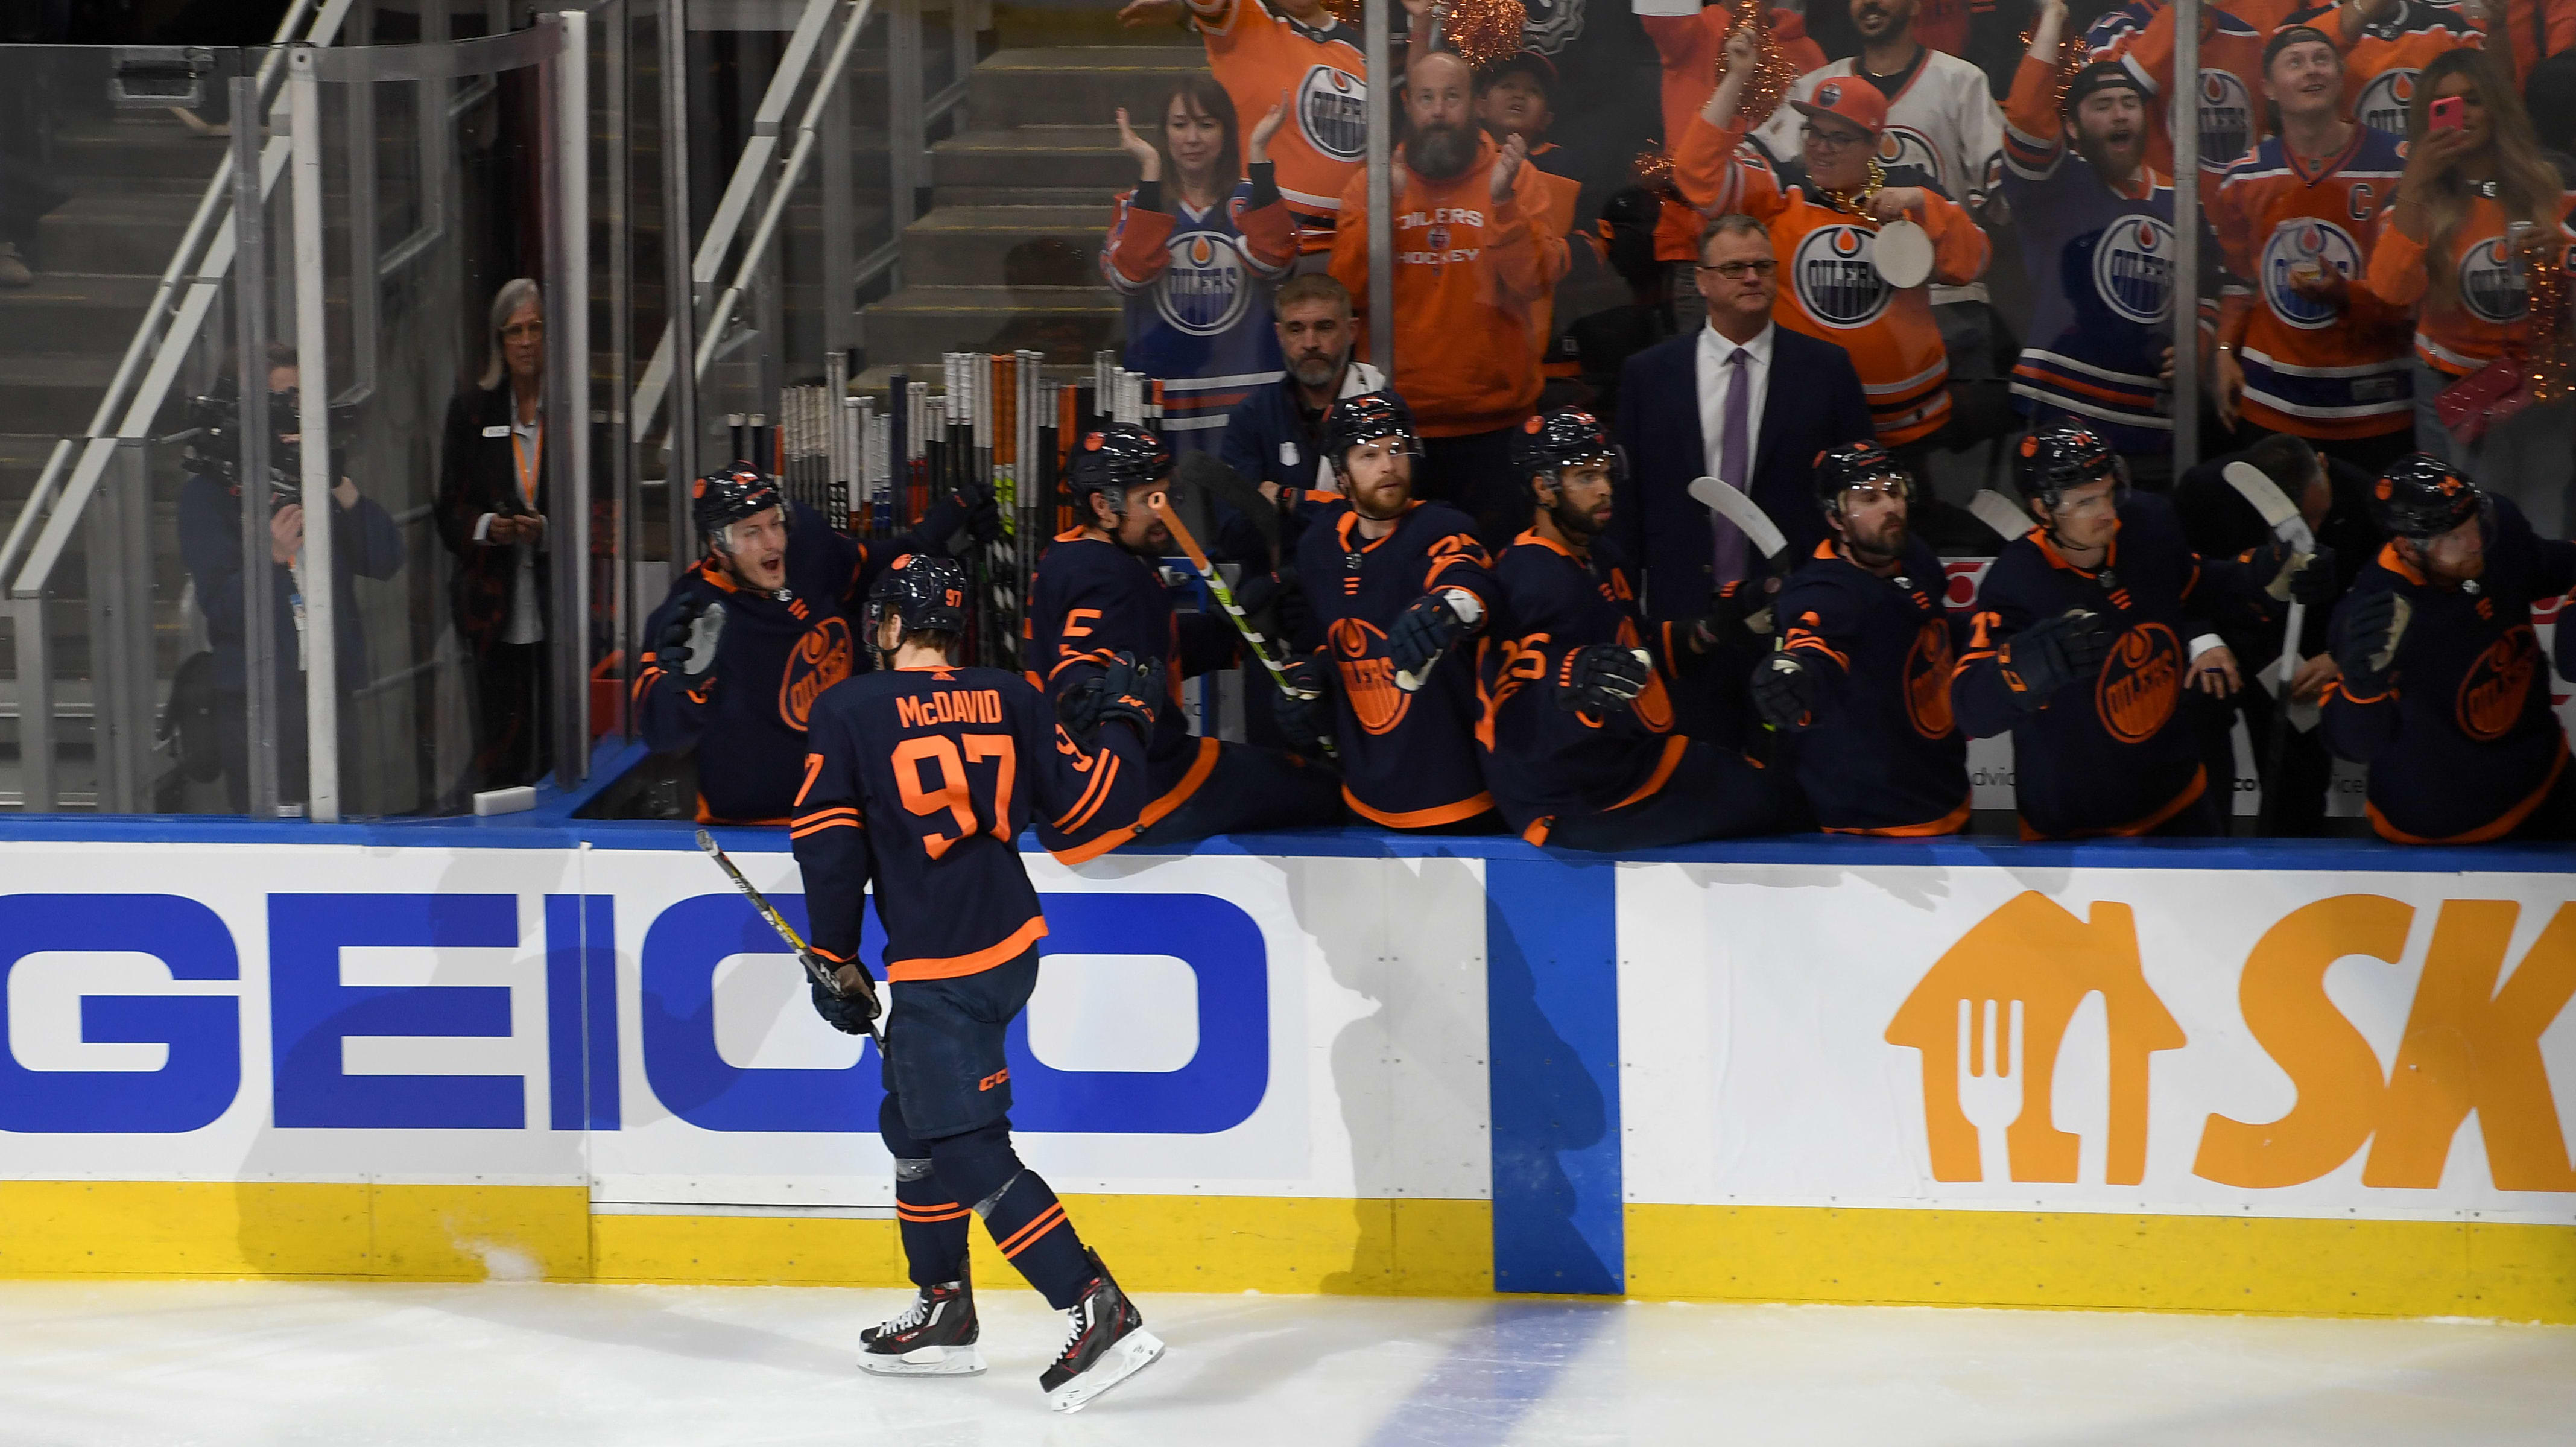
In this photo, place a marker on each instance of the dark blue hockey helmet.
(1114, 461)
(1848, 465)
(2050, 461)
(1550, 442)
(720, 499)
(1368, 417)
(924, 592)
(2420, 497)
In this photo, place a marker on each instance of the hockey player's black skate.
(1106, 1344)
(935, 1337)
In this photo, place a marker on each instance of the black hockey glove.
(2313, 583)
(1305, 711)
(855, 1009)
(1785, 692)
(1429, 628)
(2292, 576)
(971, 508)
(1276, 607)
(2367, 653)
(1602, 678)
(1738, 616)
(687, 647)
(1126, 688)
(2052, 653)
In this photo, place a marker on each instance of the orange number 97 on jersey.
(954, 795)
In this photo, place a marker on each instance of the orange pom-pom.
(1483, 31)
(1773, 70)
(1652, 170)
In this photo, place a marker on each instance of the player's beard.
(1884, 546)
(1441, 152)
(1579, 526)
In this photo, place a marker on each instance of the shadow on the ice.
(621, 1318)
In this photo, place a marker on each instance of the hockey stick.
(1742, 511)
(804, 953)
(1996, 511)
(2284, 519)
(1252, 637)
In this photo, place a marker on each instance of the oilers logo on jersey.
(2133, 268)
(1207, 287)
(2226, 119)
(2492, 287)
(1906, 146)
(1332, 111)
(2300, 242)
(2382, 104)
(1837, 282)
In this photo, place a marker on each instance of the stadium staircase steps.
(133, 180)
(1006, 256)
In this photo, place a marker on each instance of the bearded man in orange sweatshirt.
(1473, 256)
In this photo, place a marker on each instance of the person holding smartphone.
(2479, 203)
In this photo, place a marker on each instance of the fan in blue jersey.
(2444, 692)
(1195, 251)
(750, 637)
(1861, 684)
(2097, 239)
(922, 777)
(1577, 724)
(1097, 594)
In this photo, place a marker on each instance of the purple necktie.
(1733, 467)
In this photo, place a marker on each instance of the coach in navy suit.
(1789, 397)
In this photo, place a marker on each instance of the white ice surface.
(169, 1363)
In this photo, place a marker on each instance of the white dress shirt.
(1712, 361)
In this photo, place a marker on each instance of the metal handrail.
(173, 342)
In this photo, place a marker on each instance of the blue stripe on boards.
(1552, 1010)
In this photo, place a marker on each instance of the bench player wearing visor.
(1576, 728)
(2086, 636)
(1397, 588)
(2444, 693)
(753, 634)
(1097, 594)
(922, 777)
(1861, 684)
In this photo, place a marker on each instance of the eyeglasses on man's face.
(1832, 140)
(1739, 270)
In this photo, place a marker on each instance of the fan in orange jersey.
(1261, 49)
(2304, 345)
(1826, 245)
(2386, 45)
(1690, 47)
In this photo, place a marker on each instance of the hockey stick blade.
(1740, 510)
(1207, 472)
(2279, 513)
(1996, 511)
(778, 922)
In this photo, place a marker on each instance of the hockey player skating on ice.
(921, 779)
(1577, 728)
(1861, 684)
(2444, 693)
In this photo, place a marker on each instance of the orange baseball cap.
(1847, 98)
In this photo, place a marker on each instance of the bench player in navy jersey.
(2444, 693)
(1095, 594)
(2087, 634)
(922, 776)
(1861, 684)
(1577, 724)
(752, 635)
(1398, 587)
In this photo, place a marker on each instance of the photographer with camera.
(365, 544)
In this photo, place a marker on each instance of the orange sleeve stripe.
(1094, 794)
(1011, 948)
(1949, 823)
(1674, 747)
(802, 831)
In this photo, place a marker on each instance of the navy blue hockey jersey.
(2116, 753)
(1408, 759)
(778, 652)
(1090, 598)
(921, 779)
(1543, 761)
(1881, 754)
(2463, 743)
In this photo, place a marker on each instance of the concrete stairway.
(1007, 256)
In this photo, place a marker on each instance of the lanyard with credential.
(527, 463)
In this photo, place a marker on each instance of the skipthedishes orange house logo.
(1990, 1016)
